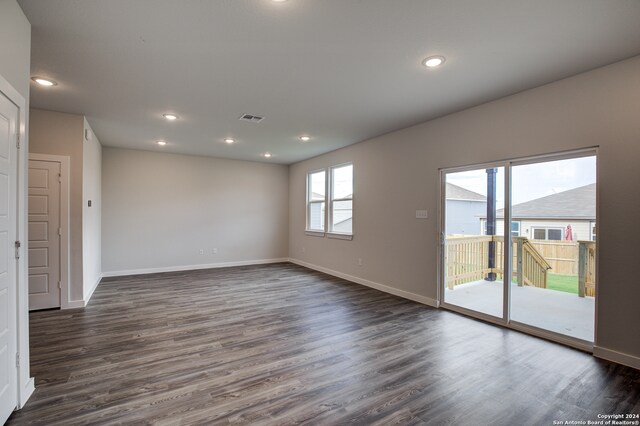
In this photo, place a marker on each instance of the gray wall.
(57, 133)
(91, 216)
(397, 173)
(15, 47)
(160, 209)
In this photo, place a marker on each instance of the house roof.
(455, 192)
(577, 203)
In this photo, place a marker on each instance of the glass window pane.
(343, 182)
(555, 234)
(539, 234)
(317, 186)
(316, 216)
(342, 216)
(473, 269)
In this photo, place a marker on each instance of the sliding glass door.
(474, 277)
(518, 244)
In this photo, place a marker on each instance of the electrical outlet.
(201, 251)
(360, 261)
(215, 251)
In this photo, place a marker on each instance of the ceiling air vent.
(251, 118)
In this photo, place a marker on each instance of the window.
(593, 231)
(316, 200)
(515, 229)
(330, 200)
(342, 199)
(554, 234)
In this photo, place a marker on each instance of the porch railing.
(587, 268)
(467, 260)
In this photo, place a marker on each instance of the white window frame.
(546, 232)
(308, 230)
(519, 228)
(332, 233)
(592, 231)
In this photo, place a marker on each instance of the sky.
(532, 181)
(342, 181)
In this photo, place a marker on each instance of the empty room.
(324, 212)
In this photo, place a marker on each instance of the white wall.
(91, 216)
(57, 133)
(397, 173)
(160, 209)
(15, 62)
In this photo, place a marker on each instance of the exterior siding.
(463, 217)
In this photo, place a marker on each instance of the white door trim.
(26, 384)
(65, 287)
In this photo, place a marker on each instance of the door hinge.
(18, 140)
(60, 285)
(60, 177)
(442, 239)
(59, 231)
(17, 359)
(17, 249)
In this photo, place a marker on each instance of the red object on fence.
(568, 233)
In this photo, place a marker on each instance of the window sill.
(340, 236)
(314, 233)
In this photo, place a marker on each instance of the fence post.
(582, 268)
(520, 256)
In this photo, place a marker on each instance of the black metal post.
(491, 219)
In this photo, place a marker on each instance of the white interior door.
(44, 234)
(8, 282)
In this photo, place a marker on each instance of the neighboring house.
(342, 215)
(463, 208)
(547, 218)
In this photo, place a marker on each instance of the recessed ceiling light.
(229, 140)
(305, 138)
(161, 143)
(278, 1)
(44, 82)
(170, 117)
(433, 61)
(267, 155)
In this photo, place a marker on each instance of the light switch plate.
(422, 214)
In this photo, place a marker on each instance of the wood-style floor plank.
(283, 345)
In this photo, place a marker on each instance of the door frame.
(65, 256)
(506, 320)
(26, 384)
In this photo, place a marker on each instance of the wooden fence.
(561, 255)
(467, 260)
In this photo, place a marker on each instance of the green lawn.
(559, 282)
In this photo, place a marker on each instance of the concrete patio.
(556, 311)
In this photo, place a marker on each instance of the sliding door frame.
(506, 320)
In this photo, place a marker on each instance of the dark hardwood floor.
(280, 344)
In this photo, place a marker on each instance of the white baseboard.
(192, 267)
(93, 288)
(74, 304)
(619, 357)
(26, 392)
(382, 287)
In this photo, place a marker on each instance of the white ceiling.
(341, 71)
